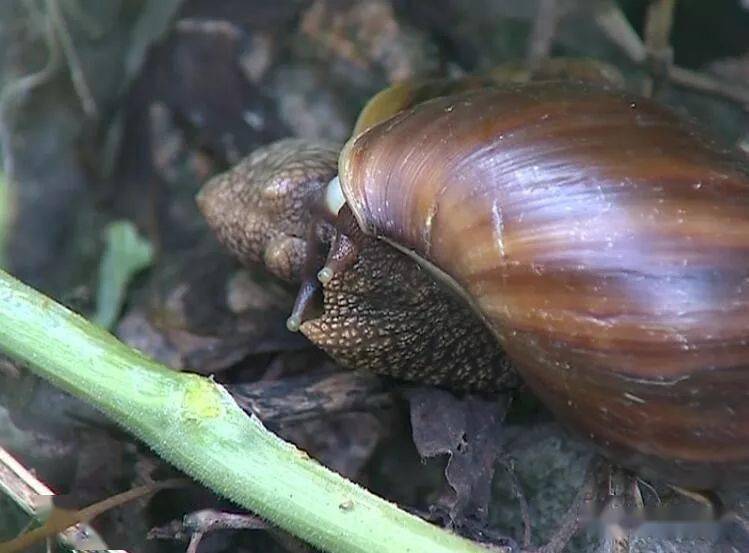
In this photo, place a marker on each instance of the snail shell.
(406, 94)
(604, 241)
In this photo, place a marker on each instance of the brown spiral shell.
(603, 239)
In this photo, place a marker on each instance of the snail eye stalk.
(342, 255)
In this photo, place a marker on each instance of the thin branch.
(195, 540)
(61, 519)
(701, 82)
(542, 35)
(658, 23)
(659, 20)
(85, 20)
(199, 523)
(23, 85)
(517, 489)
(77, 75)
(578, 515)
(35, 499)
(311, 396)
(616, 26)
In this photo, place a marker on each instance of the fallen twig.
(61, 519)
(614, 23)
(312, 396)
(77, 76)
(542, 34)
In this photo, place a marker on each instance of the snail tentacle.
(344, 251)
(300, 312)
(310, 285)
(342, 255)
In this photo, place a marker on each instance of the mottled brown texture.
(385, 313)
(260, 208)
(388, 315)
(605, 241)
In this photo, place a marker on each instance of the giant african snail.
(601, 242)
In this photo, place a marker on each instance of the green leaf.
(126, 254)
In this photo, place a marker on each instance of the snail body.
(605, 243)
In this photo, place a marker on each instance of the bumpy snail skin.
(259, 209)
(606, 243)
(384, 313)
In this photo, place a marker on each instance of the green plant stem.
(194, 424)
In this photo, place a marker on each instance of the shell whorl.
(605, 240)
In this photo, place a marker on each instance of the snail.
(590, 241)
